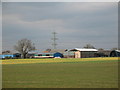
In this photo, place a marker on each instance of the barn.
(83, 52)
(115, 53)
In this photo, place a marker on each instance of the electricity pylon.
(54, 40)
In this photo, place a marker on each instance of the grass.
(61, 73)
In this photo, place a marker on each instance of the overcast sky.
(76, 24)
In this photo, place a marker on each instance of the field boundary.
(62, 60)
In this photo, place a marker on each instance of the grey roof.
(57, 50)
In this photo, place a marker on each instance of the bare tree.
(89, 46)
(24, 46)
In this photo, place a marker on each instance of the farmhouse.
(83, 52)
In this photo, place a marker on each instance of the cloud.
(89, 6)
(75, 23)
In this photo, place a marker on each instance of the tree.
(100, 49)
(6, 52)
(114, 49)
(89, 46)
(24, 46)
(48, 50)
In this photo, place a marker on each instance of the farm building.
(57, 54)
(83, 52)
(7, 56)
(16, 55)
(48, 55)
(43, 55)
(103, 53)
(115, 53)
(69, 54)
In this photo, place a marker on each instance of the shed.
(84, 52)
(57, 54)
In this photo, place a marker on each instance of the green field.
(60, 73)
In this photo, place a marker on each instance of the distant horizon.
(41, 51)
(76, 24)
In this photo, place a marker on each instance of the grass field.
(60, 73)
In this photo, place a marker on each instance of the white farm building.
(83, 52)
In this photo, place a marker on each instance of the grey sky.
(77, 24)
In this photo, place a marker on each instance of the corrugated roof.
(56, 50)
(85, 49)
(44, 53)
(117, 50)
